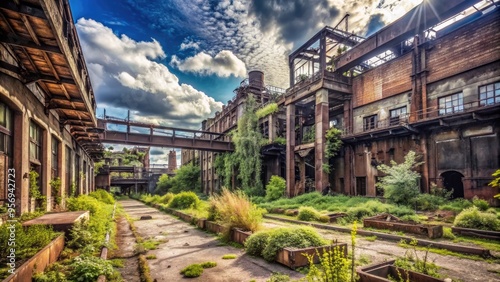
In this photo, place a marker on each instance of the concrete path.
(185, 245)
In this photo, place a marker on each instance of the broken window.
(396, 115)
(361, 186)
(489, 94)
(370, 122)
(453, 103)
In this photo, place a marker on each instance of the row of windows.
(454, 103)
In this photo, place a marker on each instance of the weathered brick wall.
(468, 47)
(389, 79)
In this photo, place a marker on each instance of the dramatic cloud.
(262, 33)
(294, 20)
(224, 64)
(125, 75)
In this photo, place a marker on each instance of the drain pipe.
(104, 250)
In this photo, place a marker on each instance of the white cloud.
(125, 76)
(188, 44)
(224, 64)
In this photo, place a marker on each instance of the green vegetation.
(208, 264)
(148, 257)
(246, 156)
(400, 184)
(163, 184)
(275, 189)
(355, 207)
(456, 205)
(55, 185)
(102, 196)
(481, 204)
(79, 258)
(29, 241)
(473, 218)
(229, 256)
(412, 261)
(308, 214)
(309, 135)
(334, 266)
(187, 178)
(193, 270)
(495, 183)
(184, 200)
(267, 110)
(144, 270)
(234, 210)
(268, 245)
(87, 268)
(333, 145)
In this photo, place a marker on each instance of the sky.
(176, 62)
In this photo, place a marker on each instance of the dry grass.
(234, 209)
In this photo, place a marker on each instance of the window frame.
(370, 122)
(394, 120)
(451, 104)
(492, 89)
(35, 142)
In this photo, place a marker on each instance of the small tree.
(187, 178)
(275, 189)
(163, 184)
(400, 184)
(333, 145)
(496, 181)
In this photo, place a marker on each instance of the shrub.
(166, 199)
(457, 205)
(308, 214)
(429, 202)
(102, 196)
(234, 209)
(448, 234)
(88, 268)
(324, 218)
(481, 204)
(193, 270)
(83, 203)
(266, 110)
(184, 200)
(473, 218)
(187, 178)
(400, 183)
(334, 266)
(256, 243)
(275, 189)
(290, 237)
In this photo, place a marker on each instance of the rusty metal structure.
(428, 82)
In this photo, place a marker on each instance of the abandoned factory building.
(47, 106)
(428, 82)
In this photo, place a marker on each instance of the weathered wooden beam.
(21, 42)
(23, 9)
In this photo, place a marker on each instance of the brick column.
(21, 161)
(290, 150)
(46, 171)
(321, 123)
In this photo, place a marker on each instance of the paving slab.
(184, 244)
(60, 221)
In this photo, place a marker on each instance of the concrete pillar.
(290, 150)
(321, 123)
(46, 172)
(272, 128)
(21, 161)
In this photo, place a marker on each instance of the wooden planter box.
(186, 217)
(201, 223)
(294, 257)
(390, 222)
(239, 236)
(38, 262)
(334, 216)
(213, 227)
(485, 234)
(380, 273)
